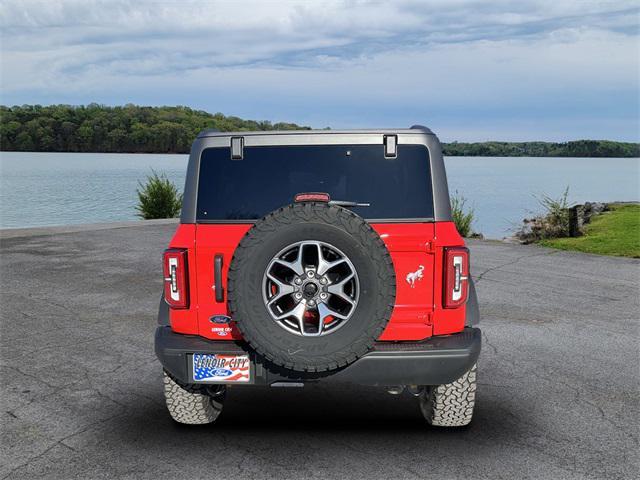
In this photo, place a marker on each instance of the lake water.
(38, 189)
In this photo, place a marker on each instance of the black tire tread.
(191, 404)
(451, 405)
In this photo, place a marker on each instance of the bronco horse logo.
(412, 277)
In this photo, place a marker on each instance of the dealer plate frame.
(221, 381)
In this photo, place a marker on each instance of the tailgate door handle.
(217, 277)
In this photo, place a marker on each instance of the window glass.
(269, 177)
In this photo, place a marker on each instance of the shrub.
(556, 214)
(461, 217)
(552, 223)
(158, 198)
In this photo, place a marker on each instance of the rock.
(550, 226)
(580, 215)
(590, 209)
(512, 239)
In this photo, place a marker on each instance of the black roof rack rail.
(421, 127)
(208, 130)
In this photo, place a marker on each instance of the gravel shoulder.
(81, 396)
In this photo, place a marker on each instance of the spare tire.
(311, 287)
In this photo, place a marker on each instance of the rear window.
(269, 177)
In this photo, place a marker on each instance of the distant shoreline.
(137, 129)
(444, 153)
(572, 149)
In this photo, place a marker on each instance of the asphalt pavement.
(81, 395)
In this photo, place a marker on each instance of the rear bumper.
(435, 361)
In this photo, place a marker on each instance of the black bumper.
(436, 361)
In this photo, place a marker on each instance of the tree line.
(127, 129)
(136, 129)
(577, 148)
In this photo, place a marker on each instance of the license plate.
(221, 368)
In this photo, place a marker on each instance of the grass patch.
(616, 232)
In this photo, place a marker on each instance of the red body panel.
(210, 241)
(416, 250)
(408, 245)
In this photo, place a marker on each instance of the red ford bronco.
(318, 256)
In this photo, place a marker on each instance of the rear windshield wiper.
(348, 204)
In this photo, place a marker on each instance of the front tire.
(193, 404)
(450, 405)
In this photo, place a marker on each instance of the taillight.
(312, 197)
(176, 285)
(456, 276)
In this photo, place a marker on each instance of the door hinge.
(390, 146)
(237, 148)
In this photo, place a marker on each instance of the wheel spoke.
(283, 289)
(325, 266)
(293, 266)
(346, 298)
(279, 283)
(286, 290)
(320, 321)
(325, 311)
(320, 325)
(338, 287)
(297, 312)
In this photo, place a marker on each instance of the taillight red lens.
(312, 197)
(456, 276)
(176, 284)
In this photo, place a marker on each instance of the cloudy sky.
(471, 70)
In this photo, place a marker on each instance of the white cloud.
(326, 62)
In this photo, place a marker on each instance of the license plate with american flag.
(221, 368)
